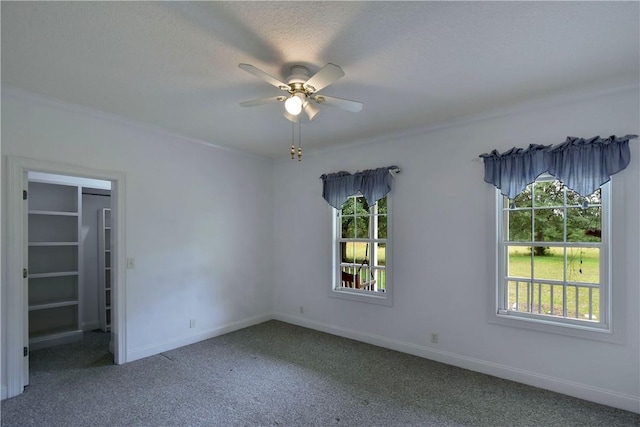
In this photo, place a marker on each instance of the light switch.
(131, 263)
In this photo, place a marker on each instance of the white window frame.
(361, 295)
(601, 330)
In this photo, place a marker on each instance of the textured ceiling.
(174, 65)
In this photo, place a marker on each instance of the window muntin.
(553, 256)
(361, 247)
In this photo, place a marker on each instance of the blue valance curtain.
(513, 170)
(581, 164)
(374, 184)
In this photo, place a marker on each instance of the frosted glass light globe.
(293, 105)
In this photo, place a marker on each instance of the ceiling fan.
(302, 91)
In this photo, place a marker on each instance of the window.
(553, 256)
(360, 248)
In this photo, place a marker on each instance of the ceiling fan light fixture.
(293, 105)
(301, 90)
(310, 110)
(291, 117)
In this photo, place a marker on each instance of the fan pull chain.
(293, 147)
(299, 140)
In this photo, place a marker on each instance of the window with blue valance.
(581, 164)
(373, 184)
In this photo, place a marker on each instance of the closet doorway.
(65, 252)
(68, 258)
(69, 271)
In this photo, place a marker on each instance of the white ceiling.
(174, 65)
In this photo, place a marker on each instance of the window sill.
(541, 325)
(379, 298)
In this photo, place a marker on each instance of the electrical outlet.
(434, 338)
(192, 323)
(301, 309)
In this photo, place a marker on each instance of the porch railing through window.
(575, 300)
(371, 279)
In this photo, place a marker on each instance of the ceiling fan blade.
(263, 101)
(345, 104)
(323, 78)
(264, 76)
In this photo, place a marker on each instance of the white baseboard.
(3, 392)
(570, 388)
(140, 353)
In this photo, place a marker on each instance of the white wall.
(444, 256)
(198, 220)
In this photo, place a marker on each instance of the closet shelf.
(55, 274)
(53, 213)
(52, 305)
(53, 243)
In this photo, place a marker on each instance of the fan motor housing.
(299, 74)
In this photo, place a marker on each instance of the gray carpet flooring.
(276, 374)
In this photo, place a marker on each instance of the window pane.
(382, 227)
(362, 207)
(548, 299)
(556, 301)
(584, 224)
(519, 296)
(548, 263)
(366, 278)
(519, 223)
(381, 254)
(347, 251)
(595, 198)
(548, 225)
(574, 199)
(523, 199)
(595, 305)
(548, 193)
(347, 277)
(362, 251)
(571, 301)
(588, 303)
(347, 207)
(583, 265)
(382, 206)
(381, 279)
(348, 227)
(519, 262)
(362, 227)
(536, 301)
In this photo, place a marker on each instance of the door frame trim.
(16, 305)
